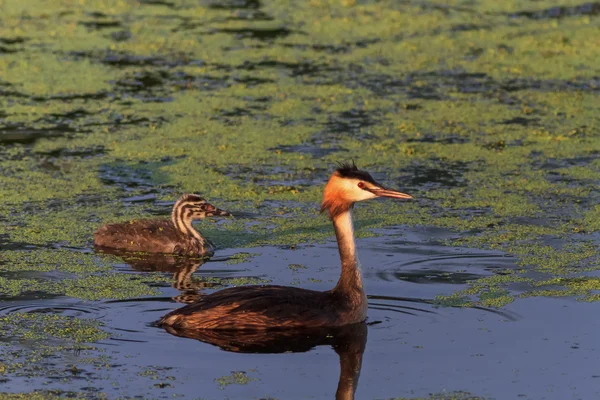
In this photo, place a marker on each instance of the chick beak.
(217, 212)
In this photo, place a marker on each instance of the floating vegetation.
(236, 378)
(238, 258)
(50, 395)
(41, 327)
(296, 267)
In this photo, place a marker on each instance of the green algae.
(82, 276)
(487, 292)
(89, 287)
(46, 260)
(15, 287)
(44, 327)
(111, 286)
(43, 75)
(296, 267)
(568, 259)
(591, 220)
(49, 395)
(239, 258)
(583, 288)
(236, 378)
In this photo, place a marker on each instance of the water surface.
(486, 112)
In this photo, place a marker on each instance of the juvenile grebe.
(176, 236)
(275, 307)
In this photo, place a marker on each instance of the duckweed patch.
(489, 291)
(583, 288)
(567, 259)
(236, 378)
(15, 287)
(112, 286)
(46, 260)
(296, 267)
(75, 274)
(45, 327)
(239, 258)
(49, 395)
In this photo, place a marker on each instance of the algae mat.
(485, 111)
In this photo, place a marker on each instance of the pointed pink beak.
(393, 194)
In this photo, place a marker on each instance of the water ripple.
(75, 310)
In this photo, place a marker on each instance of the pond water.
(412, 348)
(484, 287)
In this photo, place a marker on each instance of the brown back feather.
(262, 307)
(155, 236)
(145, 235)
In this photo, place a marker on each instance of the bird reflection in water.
(182, 268)
(347, 341)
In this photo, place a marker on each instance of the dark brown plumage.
(280, 307)
(176, 236)
(266, 307)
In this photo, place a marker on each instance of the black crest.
(193, 198)
(350, 170)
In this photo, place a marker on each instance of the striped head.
(190, 207)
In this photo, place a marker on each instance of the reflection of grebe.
(176, 236)
(272, 307)
(348, 342)
(181, 267)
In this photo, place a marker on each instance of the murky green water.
(486, 111)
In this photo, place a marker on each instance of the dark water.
(536, 349)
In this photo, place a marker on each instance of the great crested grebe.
(176, 236)
(276, 307)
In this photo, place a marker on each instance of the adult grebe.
(276, 307)
(176, 236)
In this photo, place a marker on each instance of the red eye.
(361, 185)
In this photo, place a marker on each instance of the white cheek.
(364, 195)
(354, 193)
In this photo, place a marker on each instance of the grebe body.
(270, 307)
(282, 307)
(175, 236)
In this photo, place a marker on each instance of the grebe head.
(192, 206)
(349, 185)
